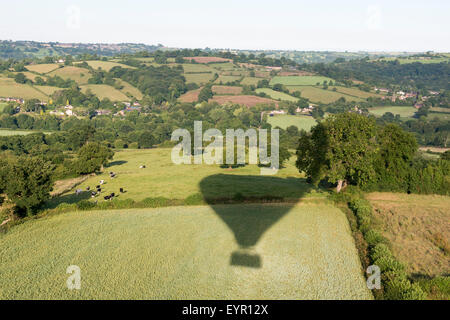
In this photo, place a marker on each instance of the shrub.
(155, 202)
(133, 145)
(373, 237)
(389, 263)
(194, 199)
(85, 205)
(400, 288)
(379, 251)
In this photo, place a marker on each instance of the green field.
(279, 251)
(104, 91)
(128, 89)
(8, 132)
(226, 79)
(355, 92)
(43, 68)
(9, 88)
(284, 121)
(79, 75)
(404, 112)
(106, 65)
(2, 106)
(319, 95)
(250, 81)
(299, 80)
(196, 68)
(199, 78)
(276, 94)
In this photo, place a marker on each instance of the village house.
(102, 112)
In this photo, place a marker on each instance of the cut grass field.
(225, 79)
(304, 251)
(198, 78)
(128, 89)
(107, 65)
(299, 80)
(403, 111)
(197, 68)
(355, 92)
(250, 81)
(284, 121)
(226, 90)
(9, 88)
(276, 94)
(246, 100)
(319, 95)
(105, 91)
(43, 68)
(8, 132)
(79, 75)
(418, 226)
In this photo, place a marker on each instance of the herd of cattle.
(96, 193)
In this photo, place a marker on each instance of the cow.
(113, 175)
(102, 182)
(88, 188)
(112, 195)
(106, 197)
(97, 187)
(93, 194)
(142, 167)
(121, 190)
(78, 191)
(99, 190)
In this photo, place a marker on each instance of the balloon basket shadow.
(245, 258)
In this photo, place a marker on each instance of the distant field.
(79, 75)
(226, 66)
(226, 79)
(190, 96)
(316, 94)
(106, 65)
(43, 68)
(3, 105)
(105, 91)
(196, 68)
(199, 78)
(207, 59)
(129, 89)
(299, 80)
(284, 121)
(30, 75)
(247, 100)
(404, 112)
(47, 89)
(220, 90)
(276, 94)
(414, 223)
(355, 92)
(8, 132)
(9, 88)
(414, 60)
(248, 81)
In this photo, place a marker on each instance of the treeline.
(351, 149)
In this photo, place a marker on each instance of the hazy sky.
(394, 25)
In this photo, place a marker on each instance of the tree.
(146, 140)
(20, 78)
(205, 94)
(92, 157)
(340, 149)
(28, 183)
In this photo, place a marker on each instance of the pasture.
(247, 100)
(276, 94)
(277, 251)
(9, 88)
(197, 68)
(43, 68)
(105, 91)
(190, 96)
(226, 90)
(48, 90)
(106, 65)
(299, 80)
(79, 75)
(225, 79)
(404, 112)
(319, 95)
(207, 59)
(9, 132)
(250, 81)
(284, 121)
(199, 78)
(355, 92)
(128, 89)
(418, 226)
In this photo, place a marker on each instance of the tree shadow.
(68, 198)
(249, 223)
(116, 163)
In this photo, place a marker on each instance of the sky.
(339, 25)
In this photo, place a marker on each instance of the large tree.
(341, 149)
(92, 157)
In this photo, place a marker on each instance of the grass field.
(8, 132)
(47, 89)
(107, 65)
(250, 81)
(43, 68)
(128, 89)
(277, 251)
(284, 121)
(2, 106)
(79, 75)
(404, 112)
(276, 94)
(299, 80)
(226, 90)
(355, 92)
(190, 96)
(196, 68)
(225, 79)
(9, 88)
(319, 95)
(246, 100)
(105, 91)
(418, 227)
(199, 78)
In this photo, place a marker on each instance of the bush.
(389, 263)
(155, 202)
(194, 199)
(133, 145)
(379, 251)
(85, 205)
(373, 237)
(400, 288)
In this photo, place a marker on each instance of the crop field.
(404, 112)
(299, 80)
(250, 81)
(9, 88)
(197, 68)
(284, 121)
(279, 251)
(43, 68)
(319, 95)
(8, 132)
(104, 91)
(107, 65)
(418, 227)
(247, 100)
(79, 75)
(226, 66)
(48, 90)
(190, 96)
(225, 90)
(276, 94)
(355, 92)
(30, 75)
(128, 89)
(199, 78)
(226, 79)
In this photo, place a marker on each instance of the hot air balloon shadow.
(249, 226)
